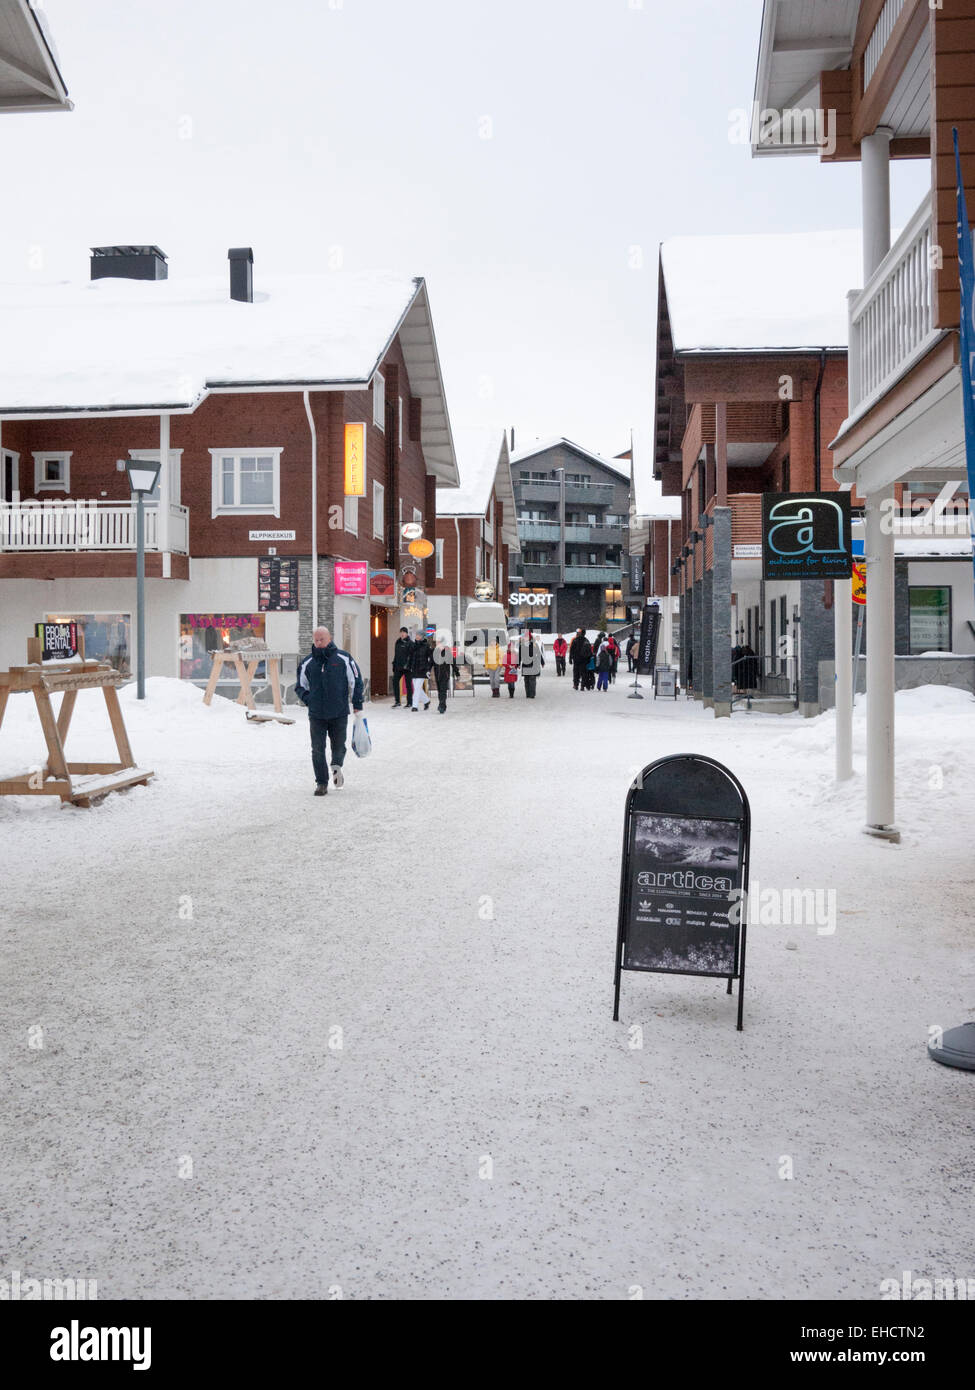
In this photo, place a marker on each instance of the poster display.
(806, 535)
(352, 578)
(59, 641)
(686, 873)
(277, 585)
(649, 636)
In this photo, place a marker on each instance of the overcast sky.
(526, 156)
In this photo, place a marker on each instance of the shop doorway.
(379, 651)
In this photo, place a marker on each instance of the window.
(379, 400)
(579, 478)
(246, 481)
(9, 475)
(439, 570)
(477, 562)
(378, 511)
(352, 515)
(417, 514)
(930, 618)
(399, 437)
(530, 477)
(52, 472)
(152, 456)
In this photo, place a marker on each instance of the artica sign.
(806, 535)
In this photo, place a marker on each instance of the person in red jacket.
(510, 668)
(560, 646)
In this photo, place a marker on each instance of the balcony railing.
(891, 318)
(87, 525)
(538, 530)
(594, 574)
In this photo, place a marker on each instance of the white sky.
(304, 125)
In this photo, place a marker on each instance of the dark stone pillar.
(902, 610)
(697, 670)
(707, 637)
(721, 640)
(816, 641)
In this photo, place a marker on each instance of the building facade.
(573, 519)
(288, 462)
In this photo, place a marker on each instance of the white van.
(484, 624)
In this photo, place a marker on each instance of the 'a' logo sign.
(806, 535)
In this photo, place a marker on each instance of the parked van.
(484, 624)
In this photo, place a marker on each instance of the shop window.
(52, 472)
(108, 636)
(203, 633)
(930, 618)
(246, 482)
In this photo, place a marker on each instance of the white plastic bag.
(361, 739)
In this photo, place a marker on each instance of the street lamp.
(143, 476)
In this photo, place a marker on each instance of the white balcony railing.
(87, 525)
(880, 38)
(891, 318)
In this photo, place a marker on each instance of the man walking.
(580, 652)
(327, 680)
(402, 655)
(560, 647)
(443, 667)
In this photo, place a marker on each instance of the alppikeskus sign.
(806, 535)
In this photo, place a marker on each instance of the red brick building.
(252, 398)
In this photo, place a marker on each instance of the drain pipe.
(818, 425)
(314, 512)
(457, 624)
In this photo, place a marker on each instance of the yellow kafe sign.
(355, 460)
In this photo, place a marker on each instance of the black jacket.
(327, 680)
(604, 661)
(421, 658)
(580, 651)
(402, 653)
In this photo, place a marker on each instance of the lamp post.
(143, 477)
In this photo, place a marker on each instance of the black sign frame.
(649, 637)
(694, 788)
(815, 513)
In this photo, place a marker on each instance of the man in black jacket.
(421, 660)
(327, 680)
(402, 656)
(579, 653)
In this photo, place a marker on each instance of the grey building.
(573, 512)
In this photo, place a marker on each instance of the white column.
(875, 182)
(843, 638)
(880, 665)
(162, 520)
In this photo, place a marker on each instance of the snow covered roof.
(29, 76)
(761, 293)
(115, 345)
(484, 464)
(541, 446)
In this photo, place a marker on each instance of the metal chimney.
(241, 274)
(128, 263)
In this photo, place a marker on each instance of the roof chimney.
(128, 263)
(241, 273)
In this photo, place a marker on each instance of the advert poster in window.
(203, 633)
(277, 585)
(107, 636)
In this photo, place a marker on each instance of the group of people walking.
(413, 661)
(594, 664)
(522, 656)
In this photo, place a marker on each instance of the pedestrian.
(632, 647)
(532, 661)
(328, 679)
(614, 650)
(560, 646)
(443, 666)
(402, 655)
(604, 666)
(580, 651)
(421, 660)
(510, 668)
(493, 665)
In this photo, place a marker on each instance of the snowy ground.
(190, 1128)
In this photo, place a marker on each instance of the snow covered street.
(362, 1046)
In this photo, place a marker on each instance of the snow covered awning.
(29, 75)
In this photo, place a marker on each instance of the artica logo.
(806, 535)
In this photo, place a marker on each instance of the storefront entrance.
(379, 651)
